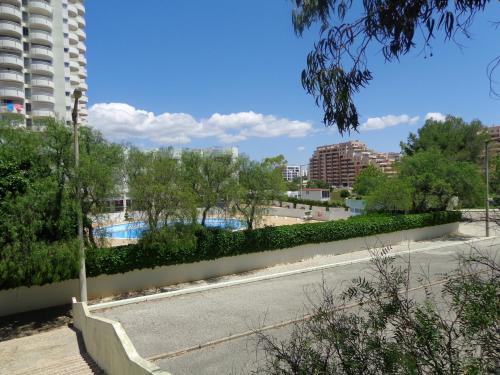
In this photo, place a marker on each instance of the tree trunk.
(204, 216)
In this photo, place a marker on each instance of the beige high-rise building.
(340, 164)
(42, 59)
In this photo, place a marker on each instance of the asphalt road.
(172, 324)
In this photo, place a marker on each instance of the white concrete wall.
(37, 297)
(108, 344)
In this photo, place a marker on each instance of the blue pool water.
(136, 229)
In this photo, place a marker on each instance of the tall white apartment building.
(42, 59)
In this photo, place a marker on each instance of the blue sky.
(200, 73)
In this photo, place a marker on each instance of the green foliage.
(337, 67)
(211, 244)
(495, 177)
(345, 193)
(454, 138)
(368, 180)
(391, 195)
(37, 263)
(318, 184)
(259, 183)
(381, 325)
(435, 179)
(211, 178)
(156, 186)
(13, 119)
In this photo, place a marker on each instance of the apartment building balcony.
(11, 28)
(72, 11)
(9, 60)
(16, 3)
(11, 12)
(42, 113)
(40, 7)
(12, 44)
(83, 86)
(73, 52)
(40, 22)
(42, 82)
(84, 99)
(82, 60)
(72, 24)
(81, 21)
(41, 52)
(11, 92)
(81, 34)
(80, 8)
(81, 47)
(73, 38)
(40, 36)
(74, 66)
(82, 73)
(74, 80)
(11, 76)
(42, 68)
(43, 98)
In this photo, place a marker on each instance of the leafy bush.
(209, 244)
(43, 263)
(40, 264)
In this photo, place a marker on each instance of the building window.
(66, 79)
(66, 49)
(26, 31)
(68, 93)
(29, 123)
(27, 78)
(66, 64)
(26, 47)
(66, 35)
(28, 107)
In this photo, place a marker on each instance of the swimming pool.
(136, 229)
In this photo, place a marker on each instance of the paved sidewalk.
(57, 352)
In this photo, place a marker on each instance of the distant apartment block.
(290, 172)
(495, 140)
(339, 164)
(42, 59)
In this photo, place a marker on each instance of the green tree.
(391, 194)
(258, 184)
(101, 174)
(454, 138)
(436, 179)
(212, 179)
(156, 186)
(368, 180)
(337, 67)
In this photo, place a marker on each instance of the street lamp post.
(487, 173)
(77, 94)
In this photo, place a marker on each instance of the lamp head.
(77, 94)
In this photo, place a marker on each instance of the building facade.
(340, 164)
(290, 172)
(495, 140)
(42, 59)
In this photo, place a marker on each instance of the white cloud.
(122, 122)
(377, 123)
(436, 116)
(301, 148)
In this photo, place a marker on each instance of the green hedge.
(41, 264)
(59, 261)
(212, 243)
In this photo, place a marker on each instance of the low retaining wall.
(108, 344)
(37, 297)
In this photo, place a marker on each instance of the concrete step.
(76, 365)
